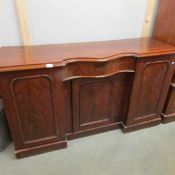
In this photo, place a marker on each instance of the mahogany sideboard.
(53, 93)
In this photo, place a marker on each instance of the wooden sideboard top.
(34, 57)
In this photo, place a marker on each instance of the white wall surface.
(9, 31)
(69, 21)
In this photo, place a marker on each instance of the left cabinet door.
(31, 103)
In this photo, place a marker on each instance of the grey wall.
(67, 21)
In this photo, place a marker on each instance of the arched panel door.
(100, 102)
(149, 92)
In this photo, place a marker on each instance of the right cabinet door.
(151, 83)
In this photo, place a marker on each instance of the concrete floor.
(145, 152)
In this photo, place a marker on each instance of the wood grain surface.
(34, 57)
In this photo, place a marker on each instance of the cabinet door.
(150, 88)
(97, 102)
(34, 108)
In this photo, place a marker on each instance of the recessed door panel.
(95, 99)
(100, 101)
(34, 101)
(149, 92)
(153, 76)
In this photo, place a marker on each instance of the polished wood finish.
(169, 109)
(54, 93)
(164, 30)
(35, 57)
(148, 98)
(32, 101)
(100, 102)
(90, 88)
